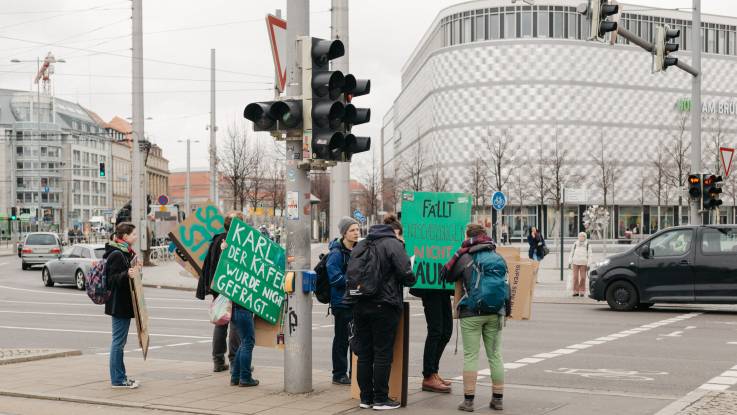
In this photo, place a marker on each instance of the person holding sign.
(340, 252)
(120, 271)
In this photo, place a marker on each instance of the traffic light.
(694, 186)
(13, 213)
(663, 35)
(102, 169)
(712, 189)
(353, 116)
(274, 115)
(598, 11)
(322, 95)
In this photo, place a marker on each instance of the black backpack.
(322, 283)
(363, 275)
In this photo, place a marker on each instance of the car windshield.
(99, 252)
(41, 239)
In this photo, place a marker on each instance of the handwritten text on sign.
(251, 272)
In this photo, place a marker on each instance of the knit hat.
(345, 223)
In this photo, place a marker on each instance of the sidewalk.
(713, 403)
(16, 355)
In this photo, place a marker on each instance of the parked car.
(39, 248)
(72, 266)
(685, 264)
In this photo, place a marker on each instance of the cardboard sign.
(194, 235)
(141, 313)
(251, 271)
(434, 228)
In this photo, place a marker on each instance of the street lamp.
(186, 184)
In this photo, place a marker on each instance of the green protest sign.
(434, 227)
(251, 271)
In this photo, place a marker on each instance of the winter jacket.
(337, 263)
(395, 267)
(209, 267)
(580, 253)
(463, 271)
(534, 247)
(117, 264)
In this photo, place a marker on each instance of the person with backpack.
(580, 258)
(120, 270)
(482, 310)
(377, 273)
(337, 262)
(537, 245)
(222, 341)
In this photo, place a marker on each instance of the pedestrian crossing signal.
(102, 169)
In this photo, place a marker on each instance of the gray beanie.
(345, 223)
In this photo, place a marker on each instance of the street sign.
(727, 157)
(576, 196)
(163, 200)
(359, 216)
(498, 200)
(251, 271)
(434, 228)
(277, 29)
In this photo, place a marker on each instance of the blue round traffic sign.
(498, 200)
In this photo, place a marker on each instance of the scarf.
(122, 245)
(465, 247)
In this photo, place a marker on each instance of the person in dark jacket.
(340, 252)
(376, 318)
(477, 325)
(120, 270)
(219, 333)
(537, 244)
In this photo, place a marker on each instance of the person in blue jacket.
(340, 252)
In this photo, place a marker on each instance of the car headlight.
(602, 263)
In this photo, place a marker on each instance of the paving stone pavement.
(713, 403)
(8, 356)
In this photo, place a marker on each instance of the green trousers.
(473, 330)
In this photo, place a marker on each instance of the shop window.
(543, 26)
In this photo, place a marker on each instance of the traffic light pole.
(137, 207)
(298, 336)
(696, 45)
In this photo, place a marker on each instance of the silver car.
(74, 263)
(39, 248)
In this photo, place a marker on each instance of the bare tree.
(257, 180)
(320, 185)
(540, 177)
(658, 185)
(498, 159)
(477, 180)
(371, 192)
(390, 191)
(276, 187)
(236, 163)
(412, 169)
(558, 172)
(677, 152)
(438, 181)
(717, 139)
(606, 169)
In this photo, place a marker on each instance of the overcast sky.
(383, 34)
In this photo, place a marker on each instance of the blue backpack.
(489, 291)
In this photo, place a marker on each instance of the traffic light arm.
(650, 47)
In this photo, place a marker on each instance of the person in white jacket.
(579, 260)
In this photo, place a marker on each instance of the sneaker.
(248, 384)
(220, 367)
(343, 380)
(128, 384)
(366, 405)
(496, 403)
(386, 405)
(466, 405)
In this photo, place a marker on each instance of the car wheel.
(24, 266)
(644, 306)
(46, 277)
(79, 279)
(622, 296)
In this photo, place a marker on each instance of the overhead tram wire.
(67, 13)
(147, 78)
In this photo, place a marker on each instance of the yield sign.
(727, 156)
(277, 29)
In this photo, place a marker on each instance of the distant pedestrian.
(376, 317)
(121, 269)
(340, 253)
(580, 260)
(505, 234)
(482, 310)
(537, 244)
(221, 341)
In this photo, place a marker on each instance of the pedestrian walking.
(337, 263)
(579, 260)
(121, 268)
(222, 341)
(379, 261)
(537, 245)
(482, 310)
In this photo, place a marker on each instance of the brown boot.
(432, 384)
(443, 381)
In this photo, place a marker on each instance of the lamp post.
(186, 183)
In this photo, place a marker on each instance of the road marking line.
(529, 360)
(579, 346)
(81, 295)
(732, 373)
(673, 334)
(722, 380)
(205, 341)
(96, 315)
(512, 366)
(546, 355)
(178, 344)
(564, 351)
(97, 332)
(618, 335)
(90, 304)
(486, 372)
(594, 342)
(711, 387)
(690, 327)
(731, 342)
(607, 338)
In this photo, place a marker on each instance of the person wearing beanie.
(340, 252)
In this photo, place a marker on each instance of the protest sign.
(251, 271)
(141, 313)
(194, 234)
(434, 228)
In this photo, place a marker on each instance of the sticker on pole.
(277, 29)
(251, 271)
(727, 157)
(498, 200)
(293, 205)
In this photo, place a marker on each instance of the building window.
(480, 28)
(494, 26)
(86, 186)
(510, 27)
(467, 30)
(526, 24)
(456, 32)
(558, 25)
(572, 26)
(86, 200)
(629, 221)
(543, 26)
(711, 41)
(77, 199)
(731, 43)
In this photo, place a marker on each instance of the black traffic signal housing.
(102, 170)
(324, 91)
(13, 213)
(353, 116)
(663, 36)
(712, 190)
(274, 116)
(598, 11)
(694, 186)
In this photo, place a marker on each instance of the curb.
(23, 359)
(683, 403)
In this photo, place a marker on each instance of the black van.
(684, 264)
